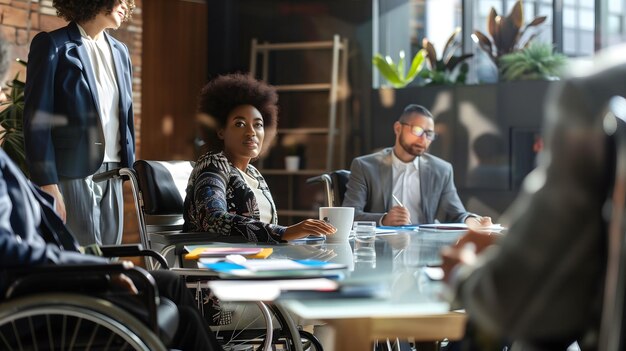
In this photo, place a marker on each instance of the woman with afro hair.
(225, 193)
(78, 116)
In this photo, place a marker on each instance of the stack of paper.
(275, 268)
(294, 289)
(267, 290)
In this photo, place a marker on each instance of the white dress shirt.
(406, 185)
(108, 94)
(265, 207)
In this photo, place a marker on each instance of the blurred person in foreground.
(542, 283)
(404, 184)
(225, 193)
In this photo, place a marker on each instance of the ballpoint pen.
(396, 200)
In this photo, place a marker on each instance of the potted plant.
(537, 61)
(507, 34)
(443, 70)
(395, 73)
(11, 123)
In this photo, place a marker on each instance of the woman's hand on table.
(308, 227)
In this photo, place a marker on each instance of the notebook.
(196, 252)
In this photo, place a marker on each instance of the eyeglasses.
(419, 131)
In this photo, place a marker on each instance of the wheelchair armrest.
(114, 173)
(132, 250)
(324, 178)
(81, 278)
(121, 250)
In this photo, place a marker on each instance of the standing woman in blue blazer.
(78, 116)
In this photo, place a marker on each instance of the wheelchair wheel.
(256, 326)
(71, 322)
(250, 326)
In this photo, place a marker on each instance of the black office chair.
(158, 189)
(61, 307)
(334, 183)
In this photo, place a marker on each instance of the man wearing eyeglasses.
(404, 184)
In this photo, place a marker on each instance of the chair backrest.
(159, 192)
(334, 186)
(340, 181)
(613, 313)
(163, 184)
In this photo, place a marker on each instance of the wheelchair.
(72, 307)
(158, 189)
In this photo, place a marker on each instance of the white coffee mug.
(341, 218)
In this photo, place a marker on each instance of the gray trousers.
(94, 210)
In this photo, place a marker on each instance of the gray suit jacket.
(545, 280)
(370, 187)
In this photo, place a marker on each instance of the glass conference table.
(387, 290)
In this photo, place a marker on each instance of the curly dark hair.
(224, 93)
(81, 10)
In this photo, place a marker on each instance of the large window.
(578, 27)
(616, 22)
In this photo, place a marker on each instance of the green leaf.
(416, 64)
(387, 71)
(400, 68)
(11, 120)
(394, 73)
(537, 61)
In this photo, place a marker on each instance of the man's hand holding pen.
(397, 215)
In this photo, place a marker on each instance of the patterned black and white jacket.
(220, 201)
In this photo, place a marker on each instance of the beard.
(412, 149)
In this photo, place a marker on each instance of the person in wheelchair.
(31, 234)
(225, 193)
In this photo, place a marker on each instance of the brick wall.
(20, 20)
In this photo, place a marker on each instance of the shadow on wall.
(492, 169)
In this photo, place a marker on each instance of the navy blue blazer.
(63, 131)
(30, 231)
